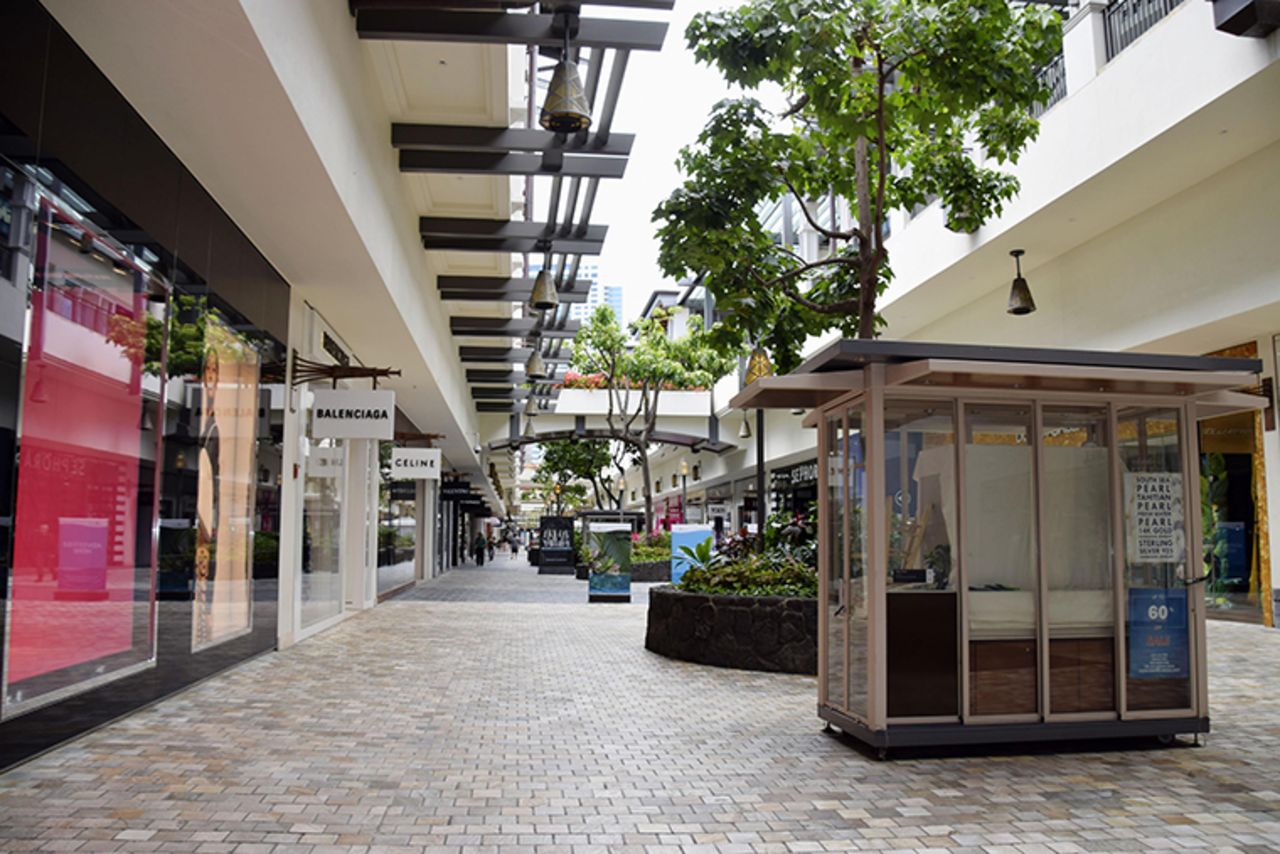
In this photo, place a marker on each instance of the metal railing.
(1127, 19)
(1054, 76)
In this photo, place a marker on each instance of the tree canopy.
(892, 103)
(637, 370)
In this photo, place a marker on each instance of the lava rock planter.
(770, 633)
(651, 571)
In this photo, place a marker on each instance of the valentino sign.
(340, 414)
(415, 464)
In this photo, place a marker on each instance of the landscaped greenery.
(786, 566)
(651, 549)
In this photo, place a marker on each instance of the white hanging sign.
(342, 414)
(415, 464)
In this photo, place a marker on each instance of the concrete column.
(292, 489)
(1084, 44)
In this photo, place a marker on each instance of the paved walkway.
(430, 725)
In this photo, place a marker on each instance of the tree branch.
(826, 232)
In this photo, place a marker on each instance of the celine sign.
(341, 414)
(415, 464)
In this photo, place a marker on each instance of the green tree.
(637, 370)
(892, 102)
(582, 460)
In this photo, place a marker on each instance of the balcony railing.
(1128, 19)
(1053, 75)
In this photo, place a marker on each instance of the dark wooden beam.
(509, 393)
(565, 245)
(434, 25)
(510, 327)
(499, 289)
(498, 229)
(503, 140)
(483, 163)
(507, 355)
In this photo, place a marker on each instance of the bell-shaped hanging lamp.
(529, 432)
(535, 368)
(744, 431)
(1020, 301)
(544, 296)
(758, 365)
(565, 109)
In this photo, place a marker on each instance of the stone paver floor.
(439, 722)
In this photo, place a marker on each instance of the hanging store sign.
(718, 508)
(1153, 517)
(456, 490)
(342, 414)
(415, 464)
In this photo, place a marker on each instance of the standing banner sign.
(343, 414)
(610, 546)
(415, 463)
(555, 535)
(690, 536)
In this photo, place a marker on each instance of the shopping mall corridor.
(493, 709)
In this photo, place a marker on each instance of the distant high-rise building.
(600, 293)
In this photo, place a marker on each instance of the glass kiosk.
(1009, 538)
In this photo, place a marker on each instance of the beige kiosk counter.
(1010, 538)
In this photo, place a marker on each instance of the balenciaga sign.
(415, 464)
(340, 414)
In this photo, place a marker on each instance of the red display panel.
(74, 596)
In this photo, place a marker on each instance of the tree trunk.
(643, 451)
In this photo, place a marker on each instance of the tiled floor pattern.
(518, 725)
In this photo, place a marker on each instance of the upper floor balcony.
(1149, 99)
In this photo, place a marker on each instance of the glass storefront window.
(81, 595)
(1078, 564)
(922, 607)
(397, 533)
(1000, 559)
(325, 470)
(1157, 642)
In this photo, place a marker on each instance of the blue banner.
(686, 535)
(1158, 636)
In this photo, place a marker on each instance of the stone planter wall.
(744, 632)
(657, 570)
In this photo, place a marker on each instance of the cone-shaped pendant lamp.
(535, 368)
(529, 432)
(1020, 301)
(544, 296)
(565, 109)
(744, 432)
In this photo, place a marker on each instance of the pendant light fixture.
(758, 365)
(565, 109)
(744, 431)
(1020, 301)
(535, 368)
(529, 432)
(544, 296)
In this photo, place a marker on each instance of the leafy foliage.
(892, 102)
(637, 370)
(787, 566)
